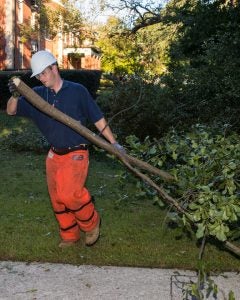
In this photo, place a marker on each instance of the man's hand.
(12, 89)
(119, 148)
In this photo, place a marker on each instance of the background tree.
(204, 63)
(50, 21)
(120, 52)
(137, 14)
(194, 52)
(67, 19)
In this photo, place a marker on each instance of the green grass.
(134, 232)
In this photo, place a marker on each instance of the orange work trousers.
(71, 201)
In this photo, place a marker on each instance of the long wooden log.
(45, 107)
(232, 248)
(127, 160)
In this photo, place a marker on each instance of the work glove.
(119, 148)
(12, 88)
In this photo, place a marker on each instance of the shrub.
(26, 140)
(137, 106)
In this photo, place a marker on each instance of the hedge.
(89, 78)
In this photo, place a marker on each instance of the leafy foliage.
(120, 52)
(137, 106)
(21, 135)
(194, 51)
(125, 53)
(205, 164)
(203, 63)
(50, 20)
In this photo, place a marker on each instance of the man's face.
(48, 76)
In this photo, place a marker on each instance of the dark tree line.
(201, 81)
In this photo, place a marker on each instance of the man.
(67, 159)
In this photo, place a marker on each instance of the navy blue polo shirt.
(74, 100)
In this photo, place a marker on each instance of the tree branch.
(48, 109)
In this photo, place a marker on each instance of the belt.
(62, 151)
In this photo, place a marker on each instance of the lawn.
(134, 231)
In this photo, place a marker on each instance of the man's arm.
(13, 101)
(105, 130)
(12, 106)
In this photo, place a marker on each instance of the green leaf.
(220, 234)
(152, 150)
(193, 206)
(174, 155)
(196, 216)
(200, 231)
(194, 145)
(232, 165)
(236, 208)
(225, 216)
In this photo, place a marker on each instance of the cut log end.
(16, 81)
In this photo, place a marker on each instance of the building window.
(34, 5)
(20, 11)
(20, 56)
(33, 19)
(34, 47)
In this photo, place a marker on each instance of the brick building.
(16, 51)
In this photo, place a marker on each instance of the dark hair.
(55, 64)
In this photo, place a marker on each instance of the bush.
(20, 134)
(137, 106)
(151, 106)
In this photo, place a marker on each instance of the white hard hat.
(40, 61)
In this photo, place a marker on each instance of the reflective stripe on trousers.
(71, 201)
